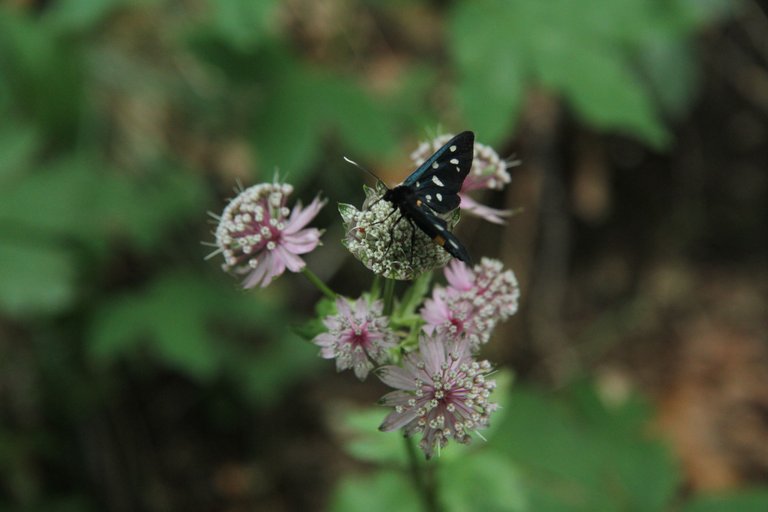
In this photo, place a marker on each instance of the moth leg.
(392, 233)
(413, 238)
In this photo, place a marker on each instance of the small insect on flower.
(357, 336)
(260, 236)
(441, 392)
(429, 192)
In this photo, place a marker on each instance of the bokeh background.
(134, 375)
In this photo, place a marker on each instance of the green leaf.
(58, 201)
(483, 481)
(35, 278)
(169, 318)
(243, 23)
(302, 106)
(359, 432)
(79, 15)
(383, 491)
(414, 296)
(44, 73)
(308, 330)
(663, 57)
(589, 56)
(601, 88)
(18, 144)
(491, 85)
(582, 456)
(264, 373)
(748, 500)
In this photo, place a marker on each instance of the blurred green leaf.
(482, 481)
(18, 144)
(35, 278)
(491, 85)
(588, 55)
(311, 328)
(79, 15)
(265, 372)
(583, 456)
(44, 73)
(58, 201)
(384, 491)
(414, 295)
(243, 23)
(196, 327)
(748, 500)
(171, 318)
(662, 58)
(359, 432)
(302, 106)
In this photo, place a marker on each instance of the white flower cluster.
(387, 244)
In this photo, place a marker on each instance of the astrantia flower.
(385, 243)
(488, 172)
(441, 392)
(357, 336)
(474, 301)
(260, 236)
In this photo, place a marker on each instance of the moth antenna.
(365, 170)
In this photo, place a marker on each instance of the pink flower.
(488, 172)
(357, 336)
(257, 236)
(474, 301)
(441, 392)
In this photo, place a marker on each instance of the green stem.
(389, 296)
(318, 283)
(423, 478)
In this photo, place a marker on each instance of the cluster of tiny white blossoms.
(260, 236)
(356, 336)
(474, 301)
(489, 171)
(441, 392)
(386, 244)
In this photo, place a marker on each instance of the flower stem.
(389, 296)
(318, 283)
(423, 478)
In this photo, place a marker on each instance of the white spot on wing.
(439, 227)
(453, 243)
(458, 169)
(452, 148)
(435, 165)
(429, 197)
(437, 181)
(439, 196)
(455, 161)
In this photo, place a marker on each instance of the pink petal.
(302, 242)
(396, 377)
(342, 306)
(293, 262)
(274, 269)
(258, 273)
(493, 215)
(435, 311)
(301, 217)
(459, 275)
(433, 352)
(396, 420)
(395, 398)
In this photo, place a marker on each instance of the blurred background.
(134, 375)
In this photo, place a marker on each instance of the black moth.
(433, 189)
